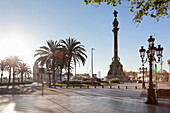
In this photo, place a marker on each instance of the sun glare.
(16, 45)
(13, 46)
(9, 108)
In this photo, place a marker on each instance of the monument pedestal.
(116, 71)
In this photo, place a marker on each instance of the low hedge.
(79, 82)
(114, 81)
(104, 82)
(15, 83)
(71, 82)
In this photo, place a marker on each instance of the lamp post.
(92, 63)
(75, 71)
(151, 99)
(49, 71)
(143, 70)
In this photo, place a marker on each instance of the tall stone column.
(115, 30)
(169, 69)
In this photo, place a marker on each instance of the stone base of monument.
(116, 71)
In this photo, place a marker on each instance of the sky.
(25, 25)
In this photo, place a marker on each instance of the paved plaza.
(28, 98)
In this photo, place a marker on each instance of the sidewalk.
(76, 100)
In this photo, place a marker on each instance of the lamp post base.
(143, 85)
(49, 85)
(151, 98)
(151, 102)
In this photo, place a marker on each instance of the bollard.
(54, 86)
(118, 87)
(110, 87)
(102, 86)
(60, 86)
(66, 86)
(73, 86)
(80, 86)
(126, 87)
(94, 86)
(135, 87)
(88, 87)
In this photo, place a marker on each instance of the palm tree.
(8, 67)
(23, 69)
(2, 65)
(47, 53)
(62, 62)
(12, 62)
(27, 73)
(15, 61)
(74, 50)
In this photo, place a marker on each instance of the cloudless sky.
(25, 25)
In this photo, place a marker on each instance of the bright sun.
(13, 46)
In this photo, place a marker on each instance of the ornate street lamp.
(41, 71)
(49, 72)
(92, 49)
(151, 99)
(143, 70)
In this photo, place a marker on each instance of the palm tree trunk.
(1, 76)
(61, 74)
(49, 80)
(13, 75)
(21, 77)
(53, 63)
(9, 76)
(18, 80)
(26, 78)
(68, 76)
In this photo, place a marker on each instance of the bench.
(163, 93)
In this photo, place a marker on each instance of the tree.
(130, 73)
(12, 62)
(23, 69)
(153, 8)
(164, 73)
(48, 53)
(8, 62)
(84, 76)
(15, 63)
(2, 65)
(74, 50)
(63, 63)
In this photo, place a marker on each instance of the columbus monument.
(116, 68)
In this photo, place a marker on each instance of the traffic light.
(155, 68)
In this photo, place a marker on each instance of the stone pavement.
(69, 100)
